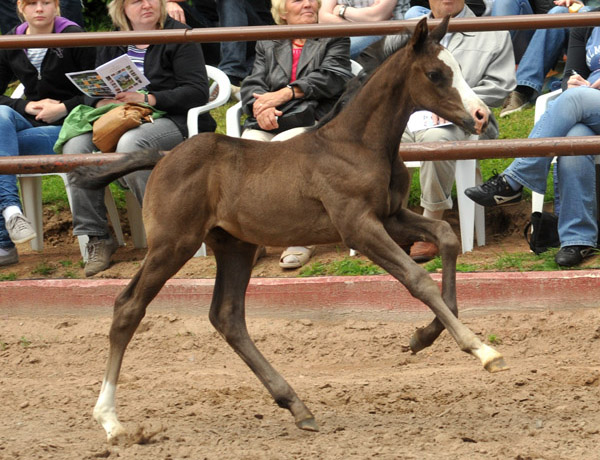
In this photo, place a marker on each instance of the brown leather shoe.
(422, 251)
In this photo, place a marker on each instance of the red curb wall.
(321, 295)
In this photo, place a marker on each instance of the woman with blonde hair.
(30, 126)
(178, 82)
(292, 85)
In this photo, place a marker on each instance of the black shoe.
(570, 256)
(494, 192)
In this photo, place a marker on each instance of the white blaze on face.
(469, 99)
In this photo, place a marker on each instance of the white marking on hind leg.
(105, 412)
(487, 355)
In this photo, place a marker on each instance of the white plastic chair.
(471, 215)
(541, 105)
(31, 184)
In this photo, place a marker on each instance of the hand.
(130, 96)
(270, 100)
(577, 80)
(103, 102)
(175, 11)
(267, 119)
(567, 3)
(46, 110)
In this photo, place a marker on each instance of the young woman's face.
(143, 14)
(39, 13)
(300, 11)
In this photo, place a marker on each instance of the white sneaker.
(20, 229)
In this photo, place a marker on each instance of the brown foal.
(341, 182)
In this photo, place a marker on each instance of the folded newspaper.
(116, 76)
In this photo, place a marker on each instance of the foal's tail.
(99, 176)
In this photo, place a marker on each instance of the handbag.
(108, 128)
(541, 232)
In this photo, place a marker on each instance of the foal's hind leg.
(409, 226)
(227, 314)
(371, 238)
(162, 262)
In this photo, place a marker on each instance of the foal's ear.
(438, 33)
(419, 35)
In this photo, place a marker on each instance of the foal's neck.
(377, 115)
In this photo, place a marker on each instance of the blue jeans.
(358, 44)
(576, 112)
(19, 137)
(545, 48)
(235, 61)
(520, 38)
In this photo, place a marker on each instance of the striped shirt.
(137, 55)
(36, 56)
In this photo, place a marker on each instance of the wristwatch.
(342, 11)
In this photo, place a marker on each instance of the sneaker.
(569, 256)
(515, 102)
(20, 229)
(494, 192)
(99, 252)
(8, 256)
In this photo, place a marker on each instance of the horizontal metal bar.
(252, 33)
(426, 151)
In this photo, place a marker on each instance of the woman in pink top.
(292, 85)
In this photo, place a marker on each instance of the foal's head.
(436, 82)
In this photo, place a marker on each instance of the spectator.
(200, 14)
(573, 113)
(178, 82)
(70, 9)
(521, 38)
(487, 63)
(344, 11)
(543, 51)
(30, 126)
(311, 73)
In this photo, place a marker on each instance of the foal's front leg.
(371, 238)
(406, 225)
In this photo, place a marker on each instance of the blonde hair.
(278, 8)
(116, 11)
(21, 6)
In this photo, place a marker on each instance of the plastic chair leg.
(31, 191)
(470, 217)
(136, 223)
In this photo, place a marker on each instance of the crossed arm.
(380, 10)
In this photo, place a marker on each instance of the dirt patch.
(371, 398)
(61, 258)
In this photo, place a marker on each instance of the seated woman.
(293, 84)
(178, 82)
(30, 126)
(573, 113)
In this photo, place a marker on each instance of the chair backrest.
(18, 92)
(220, 80)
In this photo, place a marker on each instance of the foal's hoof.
(416, 345)
(308, 424)
(496, 365)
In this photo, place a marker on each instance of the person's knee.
(79, 144)
(558, 10)
(7, 115)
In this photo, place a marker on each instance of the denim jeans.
(520, 38)
(235, 61)
(19, 137)
(576, 112)
(545, 48)
(89, 211)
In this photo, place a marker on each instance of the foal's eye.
(435, 76)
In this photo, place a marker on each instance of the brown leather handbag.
(108, 129)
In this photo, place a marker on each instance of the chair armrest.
(219, 79)
(232, 120)
(541, 103)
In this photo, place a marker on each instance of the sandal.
(296, 256)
